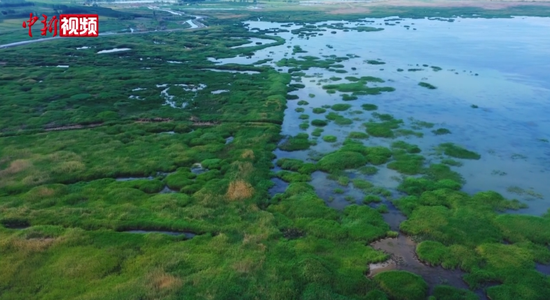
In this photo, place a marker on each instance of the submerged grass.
(456, 151)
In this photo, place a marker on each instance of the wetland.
(297, 157)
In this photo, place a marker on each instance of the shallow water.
(544, 269)
(403, 257)
(191, 24)
(481, 64)
(500, 65)
(167, 190)
(197, 169)
(113, 50)
(231, 71)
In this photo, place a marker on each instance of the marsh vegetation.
(156, 186)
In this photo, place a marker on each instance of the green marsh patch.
(340, 107)
(456, 151)
(402, 285)
(295, 143)
(427, 85)
(360, 87)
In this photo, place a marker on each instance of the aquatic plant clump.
(369, 107)
(456, 151)
(409, 164)
(368, 170)
(295, 143)
(319, 110)
(371, 199)
(319, 123)
(347, 97)
(329, 138)
(340, 107)
(341, 160)
(359, 87)
(343, 121)
(358, 135)
(441, 131)
(383, 129)
(405, 146)
(317, 131)
(402, 285)
(427, 85)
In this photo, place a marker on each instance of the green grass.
(369, 107)
(340, 107)
(362, 184)
(61, 184)
(293, 177)
(451, 162)
(374, 62)
(383, 209)
(358, 135)
(346, 97)
(402, 285)
(319, 123)
(383, 129)
(402, 145)
(317, 131)
(371, 199)
(368, 170)
(427, 85)
(297, 142)
(341, 160)
(319, 110)
(456, 151)
(409, 164)
(359, 87)
(441, 131)
(329, 138)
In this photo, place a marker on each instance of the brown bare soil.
(239, 189)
